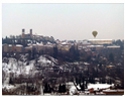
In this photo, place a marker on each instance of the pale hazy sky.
(64, 21)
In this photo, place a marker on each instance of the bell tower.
(23, 33)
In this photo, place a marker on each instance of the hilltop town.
(37, 64)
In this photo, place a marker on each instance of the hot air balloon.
(94, 33)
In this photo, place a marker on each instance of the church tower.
(23, 33)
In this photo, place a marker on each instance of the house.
(5, 48)
(19, 48)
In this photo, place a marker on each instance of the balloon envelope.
(94, 33)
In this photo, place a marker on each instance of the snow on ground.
(72, 88)
(29, 67)
(53, 59)
(17, 67)
(109, 90)
(43, 60)
(100, 86)
(20, 67)
(8, 86)
(6, 80)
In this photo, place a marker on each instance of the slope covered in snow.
(18, 67)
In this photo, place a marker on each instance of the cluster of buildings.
(29, 37)
(97, 44)
(61, 45)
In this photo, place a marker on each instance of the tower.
(23, 33)
(23, 30)
(30, 32)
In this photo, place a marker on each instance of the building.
(18, 48)
(113, 46)
(27, 36)
(100, 41)
(12, 48)
(5, 47)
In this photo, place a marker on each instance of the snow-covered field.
(73, 90)
(100, 86)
